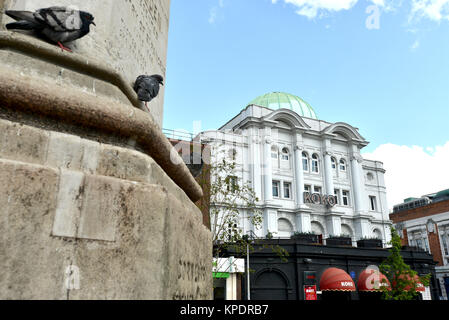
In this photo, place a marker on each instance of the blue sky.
(390, 81)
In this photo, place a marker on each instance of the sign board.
(316, 198)
(310, 278)
(310, 293)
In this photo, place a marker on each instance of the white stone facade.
(282, 155)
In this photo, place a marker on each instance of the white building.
(294, 162)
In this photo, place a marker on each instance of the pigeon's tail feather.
(21, 15)
(22, 25)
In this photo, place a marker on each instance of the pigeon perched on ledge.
(58, 24)
(147, 87)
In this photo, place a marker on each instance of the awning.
(419, 286)
(334, 279)
(371, 280)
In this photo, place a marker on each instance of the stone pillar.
(303, 223)
(299, 176)
(268, 168)
(358, 183)
(95, 205)
(333, 222)
(270, 222)
(328, 174)
(130, 37)
(256, 171)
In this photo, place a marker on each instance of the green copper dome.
(281, 100)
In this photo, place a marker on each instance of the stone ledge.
(41, 50)
(73, 106)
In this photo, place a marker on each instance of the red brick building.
(423, 223)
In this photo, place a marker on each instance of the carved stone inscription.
(192, 273)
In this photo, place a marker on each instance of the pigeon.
(58, 24)
(147, 87)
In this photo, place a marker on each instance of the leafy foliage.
(404, 281)
(229, 197)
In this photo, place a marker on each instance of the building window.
(287, 190)
(285, 154)
(315, 164)
(317, 189)
(233, 154)
(307, 188)
(345, 198)
(334, 163)
(445, 246)
(342, 165)
(232, 183)
(372, 201)
(305, 162)
(274, 152)
(276, 189)
(337, 196)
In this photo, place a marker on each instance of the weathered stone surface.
(22, 142)
(143, 24)
(67, 104)
(126, 240)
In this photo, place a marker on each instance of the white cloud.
(415, 45)
(311, 8)
(412, 171)
(432, 9)
(213, 13)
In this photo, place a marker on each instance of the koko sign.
(317, 198)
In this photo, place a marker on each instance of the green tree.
(403, 280)
(229, 197)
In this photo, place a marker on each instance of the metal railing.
(178, 135)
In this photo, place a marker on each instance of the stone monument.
(92, 205)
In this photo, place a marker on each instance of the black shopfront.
(273, 279)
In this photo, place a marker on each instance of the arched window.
(315, 163)
(285, 154)
(305, 161)
(342, 165)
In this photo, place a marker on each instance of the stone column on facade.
(329, 178)
(303, 221)
(254, 140)
(333, 223)
(299, 175)
(361, 222)
(268, 167)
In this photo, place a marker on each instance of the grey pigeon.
(147, 87)
(58, 24)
